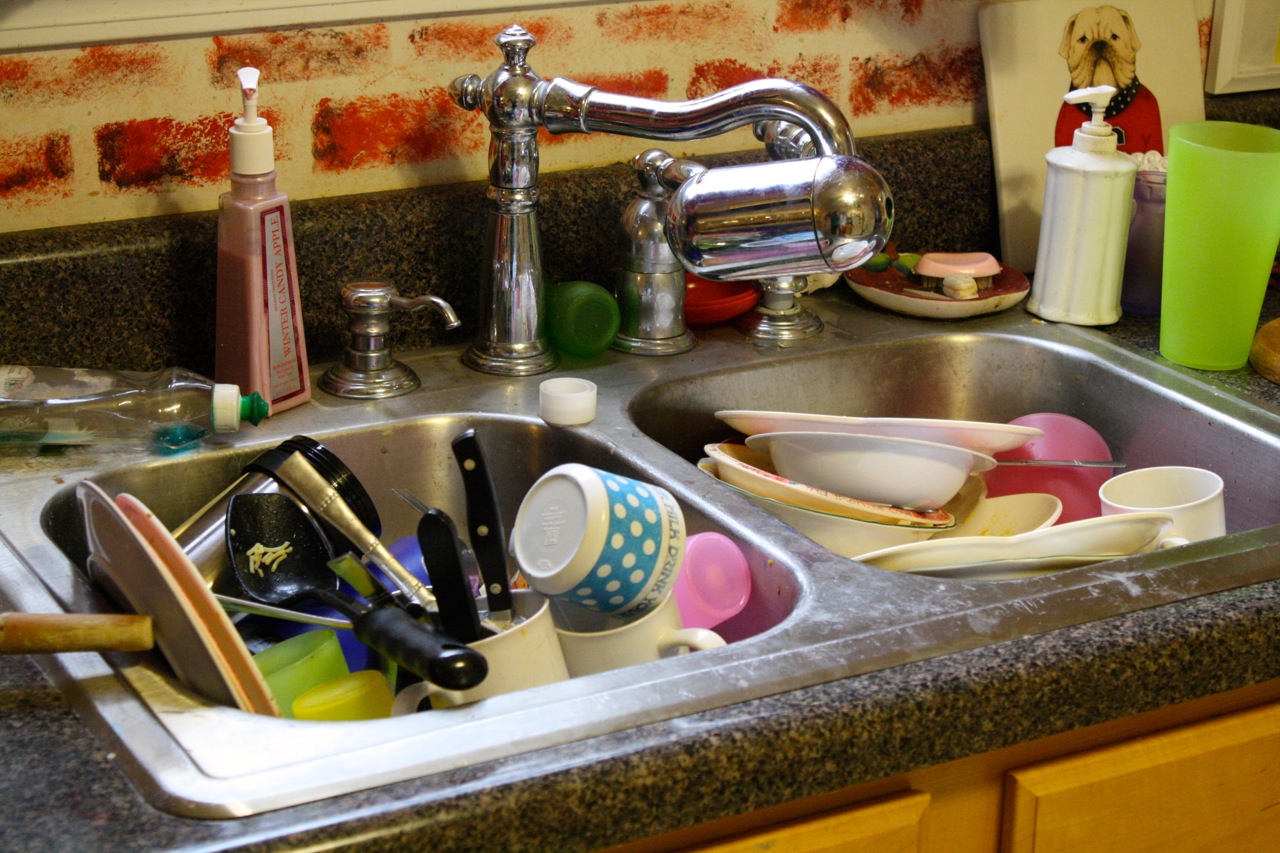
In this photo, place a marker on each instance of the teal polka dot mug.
(599, 540)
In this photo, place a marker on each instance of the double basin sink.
(813, 616)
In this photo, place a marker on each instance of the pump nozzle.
(1097, 97)
(252, 146)
(249, 93)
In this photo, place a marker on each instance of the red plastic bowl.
(707, 302)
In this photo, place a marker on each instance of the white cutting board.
(1026, 79)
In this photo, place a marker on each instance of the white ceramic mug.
(525, 655)
(1192, 497)
(594, 642)
(600, 540)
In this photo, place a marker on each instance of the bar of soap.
(934, 267)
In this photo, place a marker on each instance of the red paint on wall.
(1205, 29)
(301, 54)
(454, 40)
(948, 75)
(712, 76)
(662, 21)
(807, 16)
(35, 165)
(88, 72)
(144, 153)
(818, 71)
(798, 16)
(651, 83)
(389, 130)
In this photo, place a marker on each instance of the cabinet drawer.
(1211, 785)
(887, 825)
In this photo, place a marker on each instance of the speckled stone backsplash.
(139, 294)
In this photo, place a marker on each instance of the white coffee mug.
(598, 539)
(525, 655)
(1192, 497)
(595, 642)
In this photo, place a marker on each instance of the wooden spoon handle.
(43, 633)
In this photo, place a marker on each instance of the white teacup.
(595, 642)
(1192, 497)
(525, 655)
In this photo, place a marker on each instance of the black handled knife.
(484, 526)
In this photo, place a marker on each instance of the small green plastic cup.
(292, 667)
(583, 318)
(1222, 225)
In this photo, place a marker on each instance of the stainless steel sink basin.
(813, 616)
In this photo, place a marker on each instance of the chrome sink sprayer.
(778, 221)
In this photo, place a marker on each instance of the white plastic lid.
(226, 408)
(561, 528)
(253, 149)
(567, 401)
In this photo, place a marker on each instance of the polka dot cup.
(599, 540)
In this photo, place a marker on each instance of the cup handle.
(694, 639)
(408, 699)
(1171, 542)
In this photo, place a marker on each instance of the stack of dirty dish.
(857, 485)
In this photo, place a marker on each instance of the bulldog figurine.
(1101, 47)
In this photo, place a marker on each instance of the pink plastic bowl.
(715, 582)
(1064, 437)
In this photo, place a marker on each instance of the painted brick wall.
(111, 132)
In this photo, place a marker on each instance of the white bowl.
(900, 472)
(752, 471)
(847, 537)
(981, 436)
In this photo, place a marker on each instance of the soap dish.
(892, 289)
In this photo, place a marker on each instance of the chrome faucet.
(720, 231)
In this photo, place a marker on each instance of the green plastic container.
(582, 318)
(292, 667)
(1222, 224)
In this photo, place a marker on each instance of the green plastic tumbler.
(1222, 226)
(292, 667)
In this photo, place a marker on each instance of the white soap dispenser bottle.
(1088, 202)
(260, 343)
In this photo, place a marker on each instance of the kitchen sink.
(813, 616)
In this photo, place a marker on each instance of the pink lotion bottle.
(260, 342)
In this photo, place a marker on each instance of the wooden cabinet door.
(887, 825)
(1208, 786)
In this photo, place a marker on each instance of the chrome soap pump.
(1088, 202)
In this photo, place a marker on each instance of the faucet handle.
(466, 91)
(515, 42)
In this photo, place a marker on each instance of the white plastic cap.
(226, 408)
(567, 401)
(253, 149)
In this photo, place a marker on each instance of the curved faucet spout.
(569, 107)
(820, 219)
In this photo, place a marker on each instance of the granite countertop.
(64, 791)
